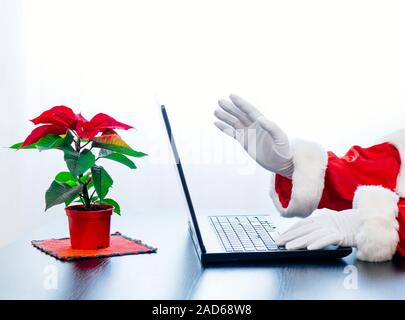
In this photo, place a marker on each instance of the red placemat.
(120, 245)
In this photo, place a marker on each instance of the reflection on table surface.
(175, 271)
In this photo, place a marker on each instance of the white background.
(331, 71)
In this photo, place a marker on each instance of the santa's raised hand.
(263, 139)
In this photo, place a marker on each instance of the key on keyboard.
(245, 233)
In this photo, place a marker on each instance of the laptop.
(232, 238)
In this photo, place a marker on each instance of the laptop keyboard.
(245, 233)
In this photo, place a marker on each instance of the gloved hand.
(264, 141)
(316, 232)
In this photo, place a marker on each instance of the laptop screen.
(192, 216)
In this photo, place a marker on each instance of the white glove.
(316, 232)
(264, 141)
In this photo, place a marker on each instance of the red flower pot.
(89, 229)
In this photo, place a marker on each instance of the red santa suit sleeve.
(371, 180)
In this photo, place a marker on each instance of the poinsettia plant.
(83, 144)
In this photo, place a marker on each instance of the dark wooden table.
(175, 271)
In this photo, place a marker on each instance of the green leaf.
(67, 178)
(59, 193)
(121, 159)
(113, 203)
(102, 181)
(19, 144)
(79, 163)
(67, 148)
(73, 200)
(104, 152)
(85, 178)
(67, 140)
(50, 141)
(126, 151)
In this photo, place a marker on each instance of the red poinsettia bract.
(58, 120)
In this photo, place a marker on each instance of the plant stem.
(86, 198)
(92, 195)
(74, 133)
(86, 144)
(77, 144)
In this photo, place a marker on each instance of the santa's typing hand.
(316, 232)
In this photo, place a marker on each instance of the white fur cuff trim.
(377, 238)
(397, 139)
(310, 161)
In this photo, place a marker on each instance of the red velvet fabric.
(376, 165)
